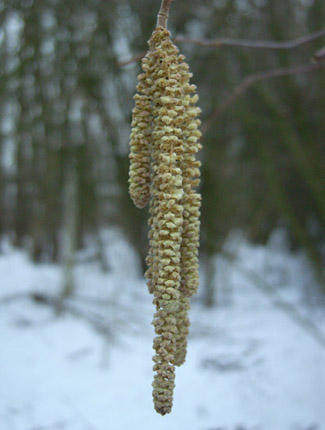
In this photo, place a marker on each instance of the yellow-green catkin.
(163, 166)
(140, 139)
(168, 192)
(191, 208)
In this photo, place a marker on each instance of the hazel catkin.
(140, 139)
(163, 169)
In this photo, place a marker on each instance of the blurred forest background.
(66, 101)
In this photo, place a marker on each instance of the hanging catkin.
(164, 169)
(140, 139)
(191, 208)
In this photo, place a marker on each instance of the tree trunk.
(69, 240)
(210, 287)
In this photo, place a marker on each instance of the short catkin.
(164, 142)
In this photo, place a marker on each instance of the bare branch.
(130, 60)
(319, 55)
(163, 13)
(252, 79)
(224, 41)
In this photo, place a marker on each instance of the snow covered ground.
(253, 362)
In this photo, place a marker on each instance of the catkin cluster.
(164, 171)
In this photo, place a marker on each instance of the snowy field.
(255, 362)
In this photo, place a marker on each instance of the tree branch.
(131, 60)
(223, 41)
(249, 80)
(162, 17)
(319, 55)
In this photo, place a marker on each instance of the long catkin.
(164, 170)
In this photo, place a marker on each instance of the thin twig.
(223, 41)
(130, 60)
(252, 79)
(162, 17)
(319, 55)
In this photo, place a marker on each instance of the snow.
(250, 364)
